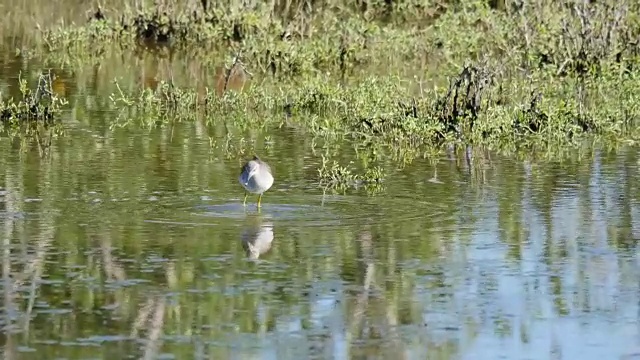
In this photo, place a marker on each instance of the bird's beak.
(251, 173)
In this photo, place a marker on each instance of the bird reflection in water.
(257, 236)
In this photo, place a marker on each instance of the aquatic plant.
(34, 118)
(39, 105)
(335, 176)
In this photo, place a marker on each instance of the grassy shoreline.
(399, 78)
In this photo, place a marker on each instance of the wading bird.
(255, 178)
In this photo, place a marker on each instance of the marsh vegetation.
(403, 78)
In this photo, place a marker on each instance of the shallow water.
(125, 243)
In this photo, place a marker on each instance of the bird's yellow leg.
(259, 200)
(244, 203)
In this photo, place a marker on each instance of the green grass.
(400, 80)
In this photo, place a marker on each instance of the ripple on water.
(322, 211)
(310, 215)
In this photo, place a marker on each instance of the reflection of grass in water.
(199, 276)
